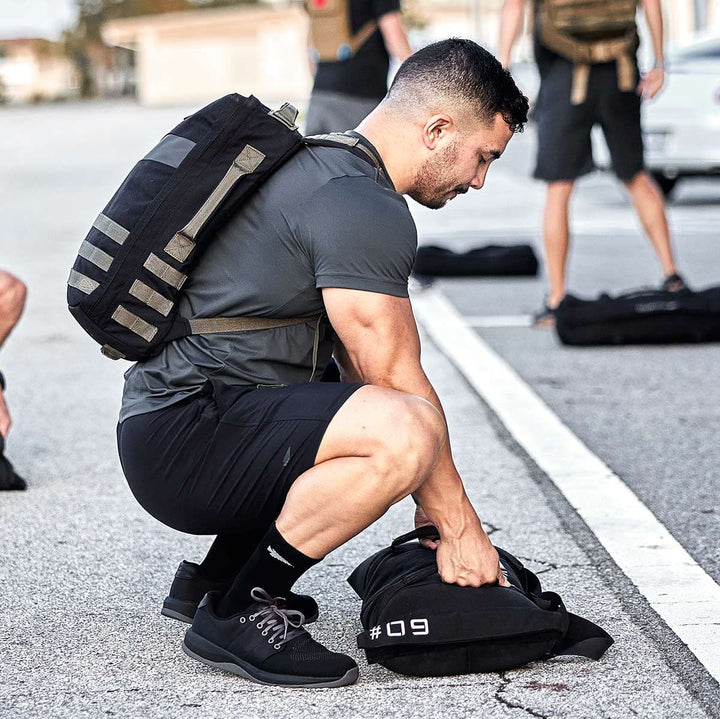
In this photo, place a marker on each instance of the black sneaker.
(265, 643)
(190, 586)
(9, 478)
(544, 317)
(674, 283)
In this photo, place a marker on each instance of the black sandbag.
(416, 624)
(489, 261)
(644, 317)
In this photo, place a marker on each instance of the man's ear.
(438, 130)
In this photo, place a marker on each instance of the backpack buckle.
(287, 114)
(111, 352)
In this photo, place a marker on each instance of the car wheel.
(666, 184)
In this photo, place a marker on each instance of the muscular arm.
(394, 35)
(379, 344)
(511, 18)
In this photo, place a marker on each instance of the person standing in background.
(12, 302)
(350, 44)
(586, 56)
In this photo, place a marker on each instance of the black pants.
(223, 461)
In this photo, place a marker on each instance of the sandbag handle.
(424, 532)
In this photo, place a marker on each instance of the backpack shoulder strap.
(353, 143)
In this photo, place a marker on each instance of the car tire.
(666, 184)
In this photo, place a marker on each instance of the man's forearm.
(653, 15)
(511, 18)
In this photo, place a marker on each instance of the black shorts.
(563, 129)
(222, 462)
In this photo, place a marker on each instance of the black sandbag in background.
(643, 317)
(488, 261)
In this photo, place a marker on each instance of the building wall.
(35, 69)
(259, 51)
(196, 56)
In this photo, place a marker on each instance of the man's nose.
(479, 180)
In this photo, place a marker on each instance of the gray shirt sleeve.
(360, 236)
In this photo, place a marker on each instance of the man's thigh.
(265, 439)
(620, 121)
(223, 463)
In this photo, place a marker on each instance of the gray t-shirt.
(327, 218)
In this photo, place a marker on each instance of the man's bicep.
(378, 331)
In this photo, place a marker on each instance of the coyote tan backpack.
(331, 30)
(590, 32)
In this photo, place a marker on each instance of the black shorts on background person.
(564, 149)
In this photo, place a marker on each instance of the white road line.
(498, 320)
(676, 587)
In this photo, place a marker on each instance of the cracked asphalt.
(85, 570)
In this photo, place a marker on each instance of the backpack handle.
(428, 530)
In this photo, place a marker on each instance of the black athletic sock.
(274, 566)
(228, 554)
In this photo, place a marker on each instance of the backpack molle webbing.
(141, 249)
(331, 30)
(589, 32)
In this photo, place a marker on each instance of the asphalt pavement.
(85, 569)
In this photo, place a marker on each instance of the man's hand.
(651, 83)
(5, 421)
(457, 559)
(469, 560)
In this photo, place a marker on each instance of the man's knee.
(415, 432)
(13, 293)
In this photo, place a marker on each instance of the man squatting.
(232, 436)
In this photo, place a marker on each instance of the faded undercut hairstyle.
(463, 73)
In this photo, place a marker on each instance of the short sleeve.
(360, 236)
(382, 7)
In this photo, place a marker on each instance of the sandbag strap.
(216, 325)
(423, 532)
(584, 638)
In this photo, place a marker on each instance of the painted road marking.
(676, 587)
(490, 321)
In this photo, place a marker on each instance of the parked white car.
(681, 125)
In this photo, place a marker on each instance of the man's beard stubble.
(431, 185)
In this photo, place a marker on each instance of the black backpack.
(643, 317)
(416, 624)
(489, 261)
(142, 248)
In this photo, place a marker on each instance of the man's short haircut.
(462, 72)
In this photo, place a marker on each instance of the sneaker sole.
(185, 611)
(177, 609)
(200, 649)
